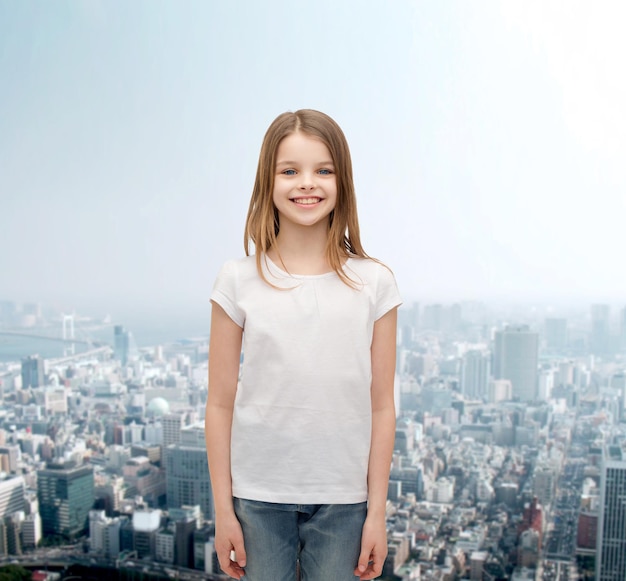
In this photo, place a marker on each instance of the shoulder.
(370, 269)
(378, 281)
(232, 280)
(242, 263)
(237, 267)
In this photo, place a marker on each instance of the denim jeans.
(325, 539)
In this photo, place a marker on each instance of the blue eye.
(325, 172)
(290, 172)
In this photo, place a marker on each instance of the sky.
(488, 142)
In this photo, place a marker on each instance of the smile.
(306, 201)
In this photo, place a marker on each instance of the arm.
(224, 356)
(374, 536)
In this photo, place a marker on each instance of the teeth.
(306, 200)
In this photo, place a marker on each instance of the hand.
(229, 539)
(373, 549)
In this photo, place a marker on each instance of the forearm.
(224, 356)
(383, 413)
(218, 421)
(381, 452)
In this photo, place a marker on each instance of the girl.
(299, 446)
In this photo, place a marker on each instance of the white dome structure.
(158, 407)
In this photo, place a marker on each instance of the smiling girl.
(300, 435)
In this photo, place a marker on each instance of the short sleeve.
(225, 292)
(387, 294)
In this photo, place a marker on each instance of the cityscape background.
(488, 141)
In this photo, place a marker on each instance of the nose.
(306, 181)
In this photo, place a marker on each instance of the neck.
(301, 250)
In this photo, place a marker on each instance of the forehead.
(300, 146)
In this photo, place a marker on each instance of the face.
(305, 184)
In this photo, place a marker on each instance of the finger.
(367, 574)
(373, 570)
(224, 559)
(363, 562)
(377, 564)
(235, 571)
(230, 567)
(239, 553)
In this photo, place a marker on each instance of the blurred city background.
(488, 141)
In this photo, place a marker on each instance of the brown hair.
(262, 224)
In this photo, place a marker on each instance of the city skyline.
(497, 467)
(487, 141)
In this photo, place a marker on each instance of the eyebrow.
(286, 162)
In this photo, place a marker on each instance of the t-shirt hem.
(288, 498)
(382, 311)
(226, 304)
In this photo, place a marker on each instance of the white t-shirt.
(302, 418)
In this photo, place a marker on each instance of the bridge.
(50, 338)
(68, 330)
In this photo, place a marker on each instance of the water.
(147, 330)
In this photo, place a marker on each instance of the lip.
(298, 200)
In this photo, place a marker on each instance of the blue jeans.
(325, 539)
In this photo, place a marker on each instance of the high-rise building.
(165, 545)
(516, 357)
(622, 330)
(587, 530)
(121, 344)
(205, 558)
(611, 544)
(555, 330)
(432, 317)
(32, 371)
(13, 524)
(618, 382)
(187, 472)
(32, 531)
(9, 457)
(66, 495)
(104, 534)
(146, 523)
(11, 495)
(475, 372)
(186, 521)
(8, 312)
(174, 422)
(436, 397)
(600, 340)
(144, 479)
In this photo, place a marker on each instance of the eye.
(325, 172)
(289, 172)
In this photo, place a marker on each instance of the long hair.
(262, 223)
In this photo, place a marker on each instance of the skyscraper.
(622, 330)
(555, 330)
(12, 491)
(187, 472)
(515, 357)
(611, 543)
(32, 371)
(600, 340)
(66, 495)
(475, 373)
(174, 422)
(432, 316)
(186, 521)
(121, 344)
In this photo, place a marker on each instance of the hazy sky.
(488, 139)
